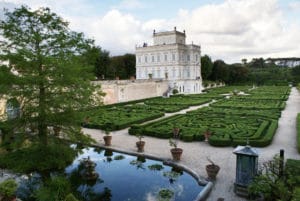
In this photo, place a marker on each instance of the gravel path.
(195, 153)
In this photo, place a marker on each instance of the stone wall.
(2, 107)
(127, 90)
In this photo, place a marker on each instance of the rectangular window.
(173, 57)
(166, 57)
(158, 58)
(139, 59)
(146, 59)
(188, 57)
(196, 57)
(152, 58)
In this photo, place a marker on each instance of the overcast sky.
(226, 29)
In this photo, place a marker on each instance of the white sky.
(226, 29)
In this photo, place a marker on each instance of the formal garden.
(119, 116)
(47, 156)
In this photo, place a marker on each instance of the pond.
(123, 177)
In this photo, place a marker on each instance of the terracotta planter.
(140, 145)
(107, 140)
(176, 153)
(212, 171)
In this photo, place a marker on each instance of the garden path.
(195, 153)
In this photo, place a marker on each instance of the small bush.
(8, 188)
(70, 197)
(175, 91)
(296, 194)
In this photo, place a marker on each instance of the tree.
(129, 61)
(100, 60)
(237, 74)
(244, 61)
(220, 71)
(206, 67)
(296, 74)
(122, 66)
(47, 72)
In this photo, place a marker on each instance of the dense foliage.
(38, 158)
(8, 189)
(258, 71)
(47, 73)
(271, 185)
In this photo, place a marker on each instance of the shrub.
(270, 183)
(296, 194)
(187, 137)
(175, 91)
(8, 188)
(70, 197)
(28, 160)
(219, 141)
(58, 188)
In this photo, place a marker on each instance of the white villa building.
(171, 59)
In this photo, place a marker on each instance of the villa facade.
(171, 59)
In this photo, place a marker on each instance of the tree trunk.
(42, 127)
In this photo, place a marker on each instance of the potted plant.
(140, 144)
(212, 169)
(176, 152)
(207, 135)
(8, 189)
(107, 138)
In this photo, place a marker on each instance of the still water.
(130, 178)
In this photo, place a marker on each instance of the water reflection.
(121, 177)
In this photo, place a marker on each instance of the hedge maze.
(123, 115)
(232, 121)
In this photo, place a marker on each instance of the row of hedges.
(298, 132)
(123, 115)
(116, 118)
(228, 130)
(228, 89)
(241, 120)
(271, 114)
(250, 104)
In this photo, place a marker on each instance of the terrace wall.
(128, 90)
